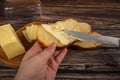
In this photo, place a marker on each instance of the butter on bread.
(48, 34)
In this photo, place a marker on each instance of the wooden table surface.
(104, 17)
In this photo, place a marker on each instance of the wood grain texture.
(100, 64)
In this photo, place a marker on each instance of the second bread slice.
(47, 34)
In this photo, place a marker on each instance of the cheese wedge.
(9, 42)
(26, 35)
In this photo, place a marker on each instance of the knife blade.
(114, 41)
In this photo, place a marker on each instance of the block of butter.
(9, 42)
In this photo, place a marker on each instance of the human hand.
(39, 64)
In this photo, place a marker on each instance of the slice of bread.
(47, 35)
(46, 38)
(69, 24)
(87, 44)
(85, 27)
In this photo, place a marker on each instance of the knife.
(113, 41)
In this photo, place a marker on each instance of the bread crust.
(79, 44)
(86, 48)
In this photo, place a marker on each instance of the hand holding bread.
(39, 64)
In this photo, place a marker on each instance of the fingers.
(35, 49)
(52, 64)
(61, 56)
(57, 52)
(48, 52)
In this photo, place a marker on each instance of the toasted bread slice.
(87, 44)
(85, 27)
(69, 24)
(47, 35)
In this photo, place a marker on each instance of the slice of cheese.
(28, 33)
(33, 32)
(9, 42)
(26, 36)
(60, 35)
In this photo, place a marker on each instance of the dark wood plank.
(104, 17)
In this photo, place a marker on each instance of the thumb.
(48, 52)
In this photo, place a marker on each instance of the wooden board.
(104, 16)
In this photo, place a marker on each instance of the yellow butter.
(9, 42)
(6, 35)
(60, 35)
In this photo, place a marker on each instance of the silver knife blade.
(94, 38)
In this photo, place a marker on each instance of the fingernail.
(52, 47)
(53, 44)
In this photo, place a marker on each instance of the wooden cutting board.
(14, 63)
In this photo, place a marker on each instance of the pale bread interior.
(69, 24)
(85, 27)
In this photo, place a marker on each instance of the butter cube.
(9, 42)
